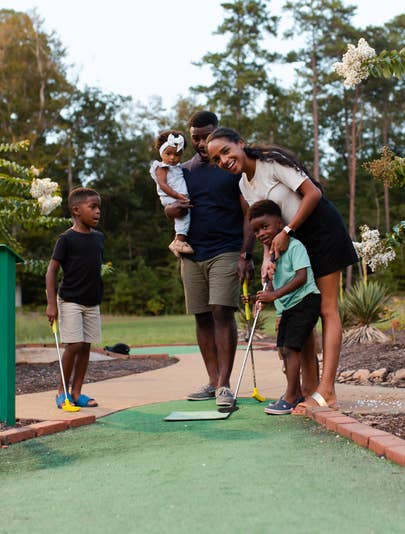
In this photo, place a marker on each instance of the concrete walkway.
(176, 381)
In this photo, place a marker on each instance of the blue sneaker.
(281, 407)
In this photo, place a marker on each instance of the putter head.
(256, 395)
(68, 407)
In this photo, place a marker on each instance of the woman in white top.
(276, 174)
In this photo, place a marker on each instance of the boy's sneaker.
(204, 393)
(281, 407)
(224, 397)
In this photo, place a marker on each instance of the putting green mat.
(133, 472)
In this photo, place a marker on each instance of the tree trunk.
(315, 111)
(386, 188)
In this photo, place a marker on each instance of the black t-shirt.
(80, 256)
(216, 219)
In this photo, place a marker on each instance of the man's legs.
(226, 339)
(217, 339)
(205, 330)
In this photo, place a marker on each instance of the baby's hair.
(162, 138)
(263, 207)
(79, 195)
(199, 119)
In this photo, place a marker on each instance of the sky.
(142, 48)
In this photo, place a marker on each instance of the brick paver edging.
(380, 442)
(14, 435)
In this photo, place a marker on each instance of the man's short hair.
(199, 119)
(263, 207)
(79, 195)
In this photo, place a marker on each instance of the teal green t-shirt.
(294, 258)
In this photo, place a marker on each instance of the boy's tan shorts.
(211, 282)
(78, 323)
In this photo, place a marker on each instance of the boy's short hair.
(162, 138)
(263, 207)
(199, 119)
(79, 195)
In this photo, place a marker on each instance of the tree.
(33, 85)
(240, 72)
(322, 22)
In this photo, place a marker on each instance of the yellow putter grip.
(246, 294)
(55, 327)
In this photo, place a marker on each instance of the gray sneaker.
(224, 397)
(204, 393)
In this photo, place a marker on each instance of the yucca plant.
(365, 304)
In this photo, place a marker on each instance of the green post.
(8, 259)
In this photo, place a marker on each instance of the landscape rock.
(398, 377)
(361, 376)
(378, 375)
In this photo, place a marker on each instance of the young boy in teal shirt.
(295, 295)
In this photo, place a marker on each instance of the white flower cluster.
(371, 250)
(48, 203)
(42, 187)
(42, 190)
(353, 67)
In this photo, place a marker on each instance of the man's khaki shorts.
(78, 323)
(211, 282)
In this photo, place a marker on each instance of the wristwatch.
(287, 229)
(246, 255)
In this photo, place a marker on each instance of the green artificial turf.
(133, 472)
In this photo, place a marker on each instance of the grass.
(32, 327)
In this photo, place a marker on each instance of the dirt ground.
(42, 377)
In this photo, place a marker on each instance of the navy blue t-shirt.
(216, 219)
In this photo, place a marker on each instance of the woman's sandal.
(300, 409)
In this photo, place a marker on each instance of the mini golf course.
(134, 472)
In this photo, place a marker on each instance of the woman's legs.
(331, 338)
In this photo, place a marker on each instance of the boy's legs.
(68, 361)
(292, 362)
(79, 326)
(81, 364)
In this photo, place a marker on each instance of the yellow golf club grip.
(246, 294)
(55, 327)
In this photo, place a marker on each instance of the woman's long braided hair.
(265, 152)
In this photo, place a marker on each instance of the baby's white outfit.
(175, 180)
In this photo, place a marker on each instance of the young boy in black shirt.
(79, 251)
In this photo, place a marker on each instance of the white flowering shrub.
(360, 62)
(372, 251)
(353, 67)
(25, 199)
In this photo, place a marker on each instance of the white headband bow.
(174, 142)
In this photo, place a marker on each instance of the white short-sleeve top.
(175, 178)
(275, 182)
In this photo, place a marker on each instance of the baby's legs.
(292, 362)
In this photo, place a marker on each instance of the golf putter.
(255, 395)
(233, 407)
(67, 406)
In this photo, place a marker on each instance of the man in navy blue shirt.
(222, 243)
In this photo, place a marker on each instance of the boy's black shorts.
(297, 323)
